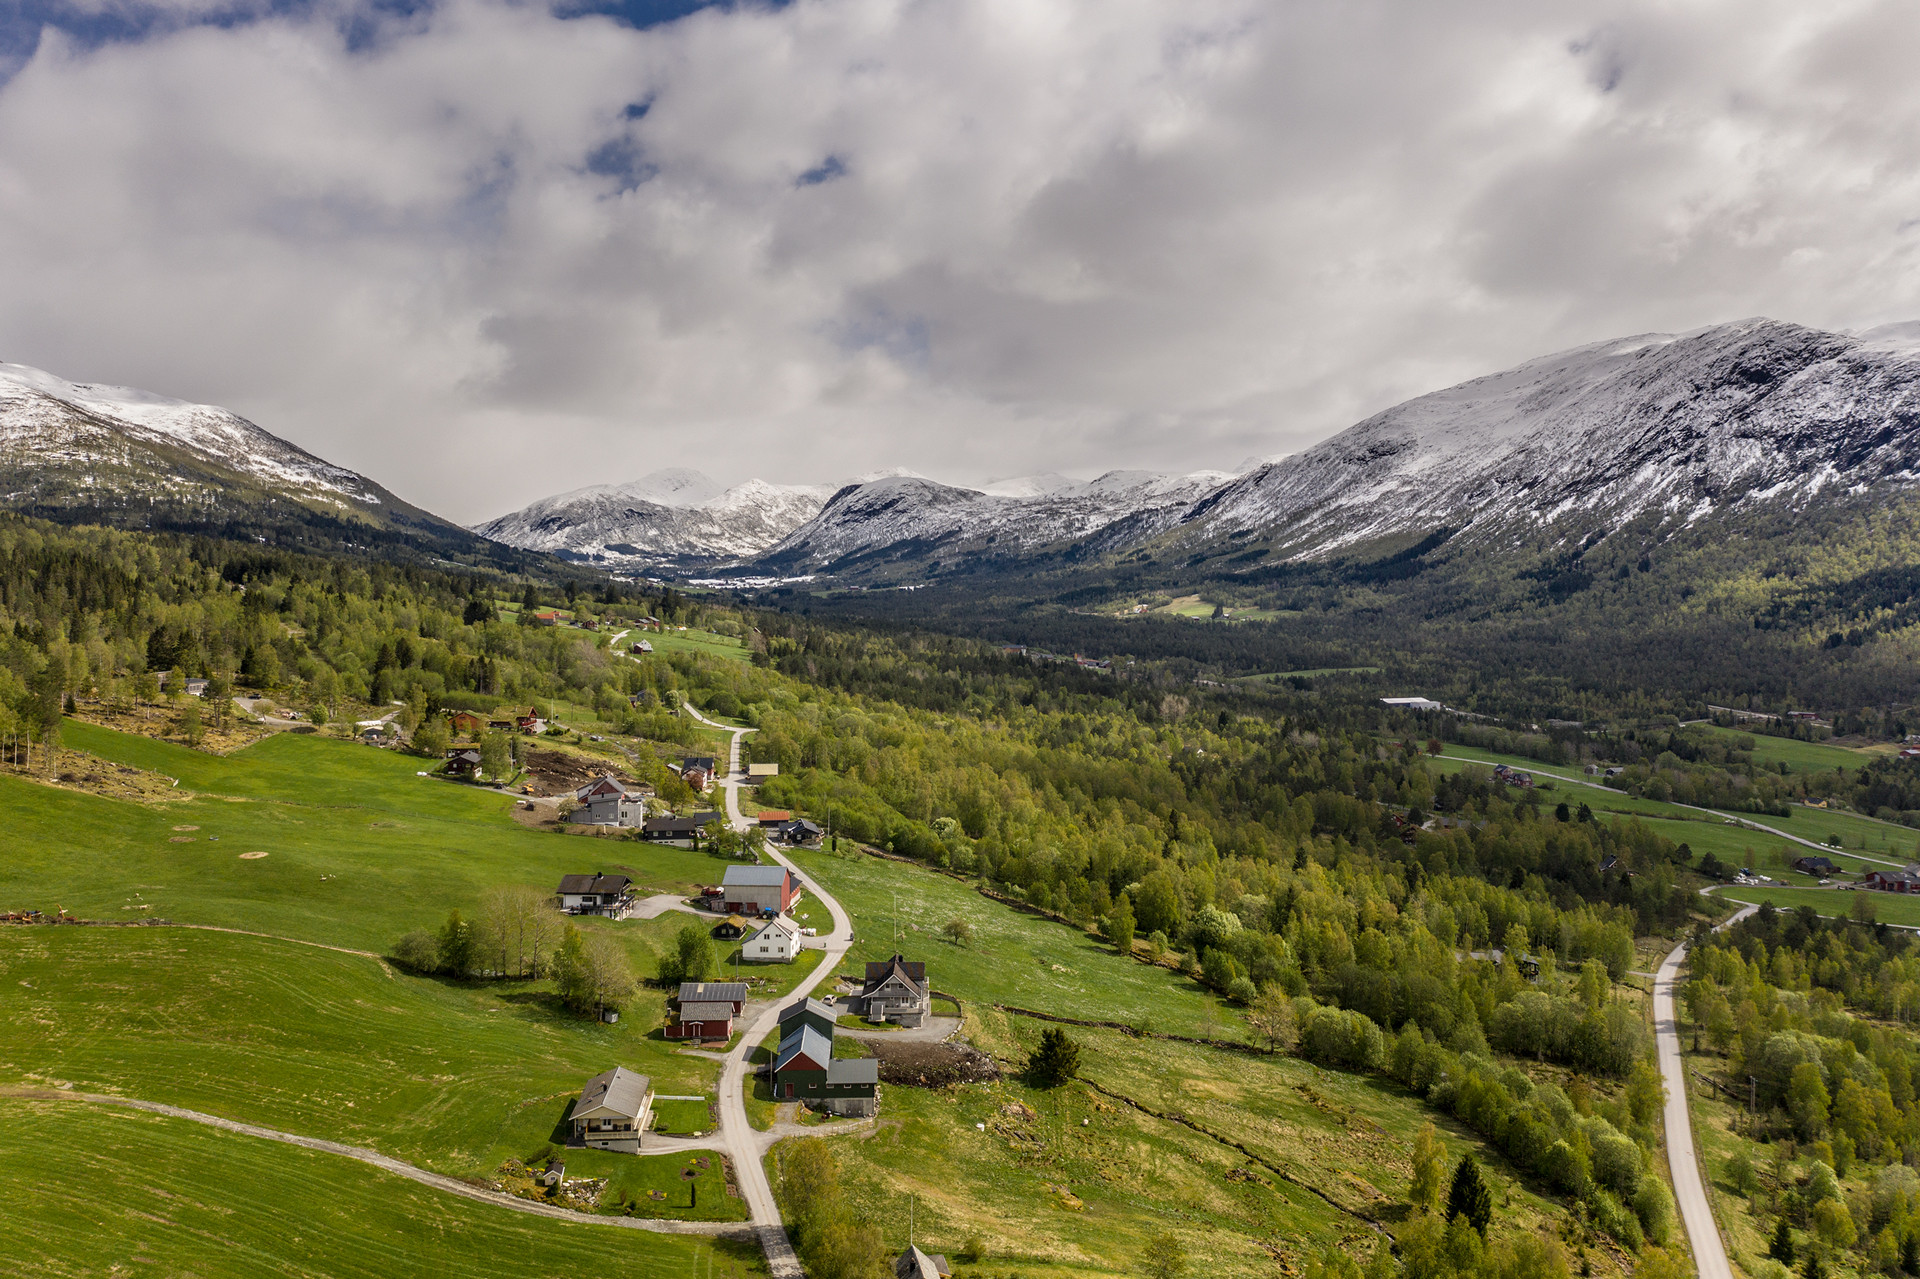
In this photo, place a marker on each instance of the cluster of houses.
(1904, 880)
(1512, 776)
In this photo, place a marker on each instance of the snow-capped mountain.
(113, 454)
(1575, 444)
(49, 427)
(914, 516)
(674, 514)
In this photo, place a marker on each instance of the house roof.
(712, 992)
(778, 924)
(706, 1012)
(853, 1070)
(594, 883)
(801, 823)
(470, 755)
(794, 1010)
(755, 877)
(914, 1264)
(609, 784)
(805, 1042)
(698, 761)
(774, 815)
(619, 1091)
(914, 971)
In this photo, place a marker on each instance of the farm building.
(755, 890)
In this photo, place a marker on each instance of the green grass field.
(360, 849)
(705, 643)
(1014, 958)
(103, 1191)
(1889, 908)
(448, 1075)
(1798, 756)
(1069, 1181)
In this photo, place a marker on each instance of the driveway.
(936, 1030)
(659, 904)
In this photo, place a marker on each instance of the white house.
(776, 942)
(1414, 703)
(612, 1112)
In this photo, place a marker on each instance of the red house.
(707, 1010)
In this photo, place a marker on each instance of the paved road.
(1689, 1186)
(743, 1145)
(1747, 822)
(387, 1163)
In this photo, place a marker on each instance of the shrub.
(419, 951)
(1335, 1037)
(1653, 1203)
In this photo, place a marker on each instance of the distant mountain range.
(1666, 430)
(78, 452)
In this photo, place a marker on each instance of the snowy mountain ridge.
(48, 423)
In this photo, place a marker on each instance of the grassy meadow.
(1072, 1180)
(1014, 958)
(169, 1196)
(1888, 908)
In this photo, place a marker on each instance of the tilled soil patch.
(924, 1065)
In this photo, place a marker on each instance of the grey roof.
(755, 876)
(618, 1090)
(712, 992)
(915, 1264)
(706, 1012)
(853, 1070)
(794, 1010)
(688, 824)
(594, 883)
(698, 761)
(805, 1040)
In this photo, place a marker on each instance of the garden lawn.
(448, 1075)
(128, 1191)
(683, 1118)
(1014, 958)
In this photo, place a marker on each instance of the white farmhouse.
(777, 942)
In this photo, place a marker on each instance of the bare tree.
(517, 928)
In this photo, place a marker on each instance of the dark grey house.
(896, 990)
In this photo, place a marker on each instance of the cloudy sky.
(485, 251)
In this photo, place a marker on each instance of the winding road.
(1689, 1181)
(745, 1146)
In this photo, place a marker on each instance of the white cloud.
(1046, 235)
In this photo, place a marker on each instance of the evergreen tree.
(1781, 1249)
(456, 944)
(1055, 1061)
(1816, 1266)
(1470, 1196)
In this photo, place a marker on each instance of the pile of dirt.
(922, 1065)
(551, 772)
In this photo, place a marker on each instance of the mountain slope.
(1737, 418)
(1574, 445)
(669, 516)
(78, 452)
(906, 518)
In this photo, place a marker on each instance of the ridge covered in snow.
(1718, 419)
(50, 426)
(671, 514)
